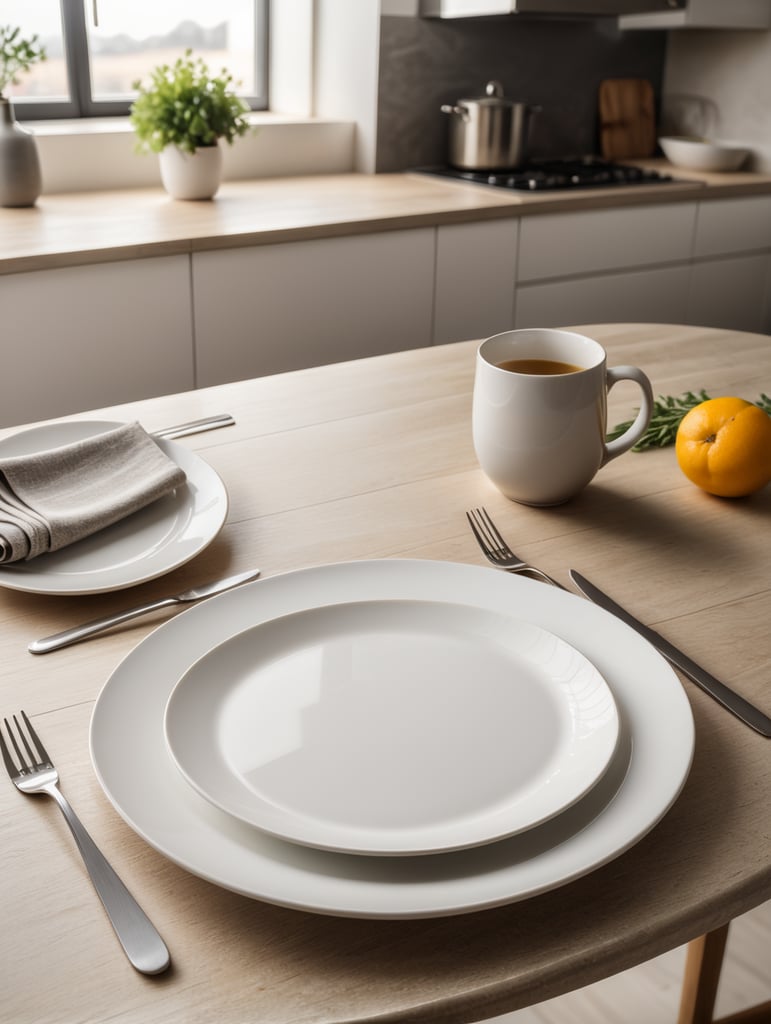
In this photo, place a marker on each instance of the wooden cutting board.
(627, 118)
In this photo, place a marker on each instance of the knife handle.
(77, 633)
(724, 695)
(730, 699)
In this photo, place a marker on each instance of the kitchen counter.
(92, 227)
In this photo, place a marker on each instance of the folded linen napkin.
(53, 498)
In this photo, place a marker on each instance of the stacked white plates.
(392, 738)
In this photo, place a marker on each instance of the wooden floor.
(650, 993)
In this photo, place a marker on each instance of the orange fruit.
(723, 446)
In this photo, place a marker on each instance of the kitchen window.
(96, 49)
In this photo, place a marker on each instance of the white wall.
(347, 44)
(718, 83)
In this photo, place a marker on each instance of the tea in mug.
(539, 367)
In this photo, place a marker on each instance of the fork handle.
(142, 944)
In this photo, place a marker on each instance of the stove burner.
(546, 175)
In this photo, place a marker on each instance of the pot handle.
(449, 108)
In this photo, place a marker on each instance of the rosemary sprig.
(668, 411)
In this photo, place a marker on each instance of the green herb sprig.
(668, 412)
(17, 55)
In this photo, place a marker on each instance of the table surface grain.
(374, 459)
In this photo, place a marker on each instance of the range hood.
(564, 8)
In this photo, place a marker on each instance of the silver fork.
(34, 772)
(497, 551)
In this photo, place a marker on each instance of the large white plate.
(133, 765)
(141, 547)
(393, 727)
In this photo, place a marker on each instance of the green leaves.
(17, 55)
(185, 106)
(668, 411)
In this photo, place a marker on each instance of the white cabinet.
(683, 262)
(705, 14)
(731, 278)
(78, 338)
(605, 265)
(733, 225)
(731, 293)
(642, 296)
(270, 308)
(476, 266)
(567, 244)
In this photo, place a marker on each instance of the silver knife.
(78, 633)
(740, 707)
(195, 426)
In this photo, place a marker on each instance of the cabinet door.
(564, 244)
(79, 338)
(732, 226)
(732, 293)
(644, 296)
(476, 268)
(271, 308)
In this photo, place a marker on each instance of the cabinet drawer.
(564, 244)
(733, 225)
(271, 308)
(475, 273)
(642, 296)
(82, 337)
(731, 293)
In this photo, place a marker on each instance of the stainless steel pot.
(488, 133)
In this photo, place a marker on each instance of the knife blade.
(88, 629)
(748, 713)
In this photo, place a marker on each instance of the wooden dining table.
(373, 459)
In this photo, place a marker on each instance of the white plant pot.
(191, 175)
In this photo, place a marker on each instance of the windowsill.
(85, 154)
(85, 126)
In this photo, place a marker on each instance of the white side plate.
(393, 727)
(141, 547)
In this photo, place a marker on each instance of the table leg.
(702, 974)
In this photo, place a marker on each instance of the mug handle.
(635, 432)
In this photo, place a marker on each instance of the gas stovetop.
(545, 175)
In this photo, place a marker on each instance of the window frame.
(81, 103)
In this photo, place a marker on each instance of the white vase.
(191, 175)
(20, 178)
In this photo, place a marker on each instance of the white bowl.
(702, 154)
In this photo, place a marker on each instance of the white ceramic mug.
(540, 436)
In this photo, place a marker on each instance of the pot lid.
(493, 96)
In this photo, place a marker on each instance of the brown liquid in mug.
(543, 367)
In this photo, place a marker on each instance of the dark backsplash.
(555, 64)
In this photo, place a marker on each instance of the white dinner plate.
(146, 544)
(395, 727)
(136, 771)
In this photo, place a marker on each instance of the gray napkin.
(53, 498)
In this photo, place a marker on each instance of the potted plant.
(181, 114)
(20, 177)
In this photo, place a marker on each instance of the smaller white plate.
(392, 727)
(141, 547)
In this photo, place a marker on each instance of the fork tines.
(486, 533)
(37, 758)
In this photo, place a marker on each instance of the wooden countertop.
(374, 459)
(90, 227)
